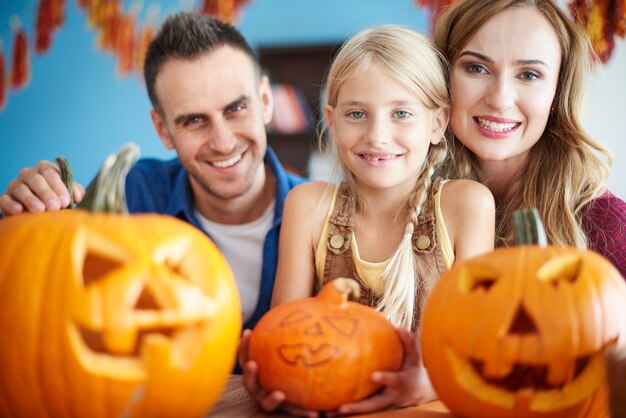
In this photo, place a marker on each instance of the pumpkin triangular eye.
(174, 254)
(147, 300)
(295, 316)
(100, 256)
(345, 326)
(522, 323)
(477, 278)
(557, 269)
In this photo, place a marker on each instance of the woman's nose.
(501, 94)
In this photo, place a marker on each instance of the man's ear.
(265, 92)
(441, 118)
(161, 129)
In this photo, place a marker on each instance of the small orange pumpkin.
(321, 351)
(521, 332)
(109, 315)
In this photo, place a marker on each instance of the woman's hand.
(269, 401)
(406, 387)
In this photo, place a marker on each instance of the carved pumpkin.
(321, 351)
(521, 332)
(113, 315)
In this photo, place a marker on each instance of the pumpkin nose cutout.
(522, 323)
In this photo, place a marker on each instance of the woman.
(517, 95)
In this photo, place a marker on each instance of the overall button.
(336, 241)
(423, 242)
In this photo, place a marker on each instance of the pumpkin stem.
(66, 177)
(338, 290)
(529, 228)
(106, 192)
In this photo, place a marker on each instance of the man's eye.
(235, 108)
(194, 120)
(356, 114)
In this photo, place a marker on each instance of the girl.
(387, 225)
(517, 97)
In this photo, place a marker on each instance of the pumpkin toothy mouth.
(527, 384)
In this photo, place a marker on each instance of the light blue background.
(75, 104)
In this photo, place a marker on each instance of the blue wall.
(76, 106)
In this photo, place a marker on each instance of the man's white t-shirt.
(242, 245)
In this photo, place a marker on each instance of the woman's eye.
(530, 75)
(476, 68)
(356, 114)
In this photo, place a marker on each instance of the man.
(211, 104)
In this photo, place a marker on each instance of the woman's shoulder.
(605, 208)
(604, 222)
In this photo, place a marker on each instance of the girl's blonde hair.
(412, 60)
(564, 171)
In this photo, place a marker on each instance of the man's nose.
(222, 139)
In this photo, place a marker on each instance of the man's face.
(214, 112)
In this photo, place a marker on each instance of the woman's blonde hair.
(564, 171)
(412, 60)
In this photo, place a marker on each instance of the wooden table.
(235, 403)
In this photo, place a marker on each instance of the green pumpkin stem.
(106, 192)
(529, 228)
(66, 177)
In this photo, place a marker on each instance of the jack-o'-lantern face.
(523, 329)
(321, 351)
(314, 341)
(132, 303)
(112, 312)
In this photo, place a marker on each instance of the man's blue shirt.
(163, 187)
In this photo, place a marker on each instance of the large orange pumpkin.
(521, 332)
(321, 351)
(108, 315)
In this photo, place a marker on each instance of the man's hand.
(38, 189)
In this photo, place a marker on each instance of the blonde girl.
(387, 224)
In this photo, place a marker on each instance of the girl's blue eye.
(356, 114)
(402, 114)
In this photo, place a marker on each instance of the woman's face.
(503, 86)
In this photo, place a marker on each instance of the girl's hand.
(406, 387)
(269, 401)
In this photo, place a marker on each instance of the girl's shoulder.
(462, 193)
(309, 194)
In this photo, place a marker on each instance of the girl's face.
(503, 86)
(382, 130)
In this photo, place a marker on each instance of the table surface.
(235, 403)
